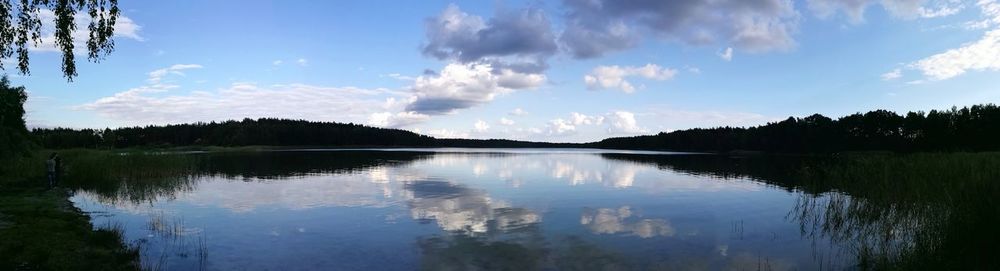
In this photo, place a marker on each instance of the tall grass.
(132, 177)
(906, 212)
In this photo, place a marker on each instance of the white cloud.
(981, 55)
(560, 127)
(990, 9)
(906, 9)
(581, 119)
(302, 62)
(399, 119)
(623, 122)
(726, 54)
(445, 133)
(607, 77)
(277, 62)
(124, 28)
(400, 77)
(506, 121)
(480, 126)
(160, 104)
(460, 86)
(156, 76)
(941, 11)
(518, 112)
(892, 75)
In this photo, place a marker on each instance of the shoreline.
(41, 229)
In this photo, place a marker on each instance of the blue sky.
(566, 71)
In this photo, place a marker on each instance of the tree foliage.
(13, 132)
(21, 28)
(974, 128)
(263, 132)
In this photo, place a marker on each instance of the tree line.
(263, 132)
(974, 128)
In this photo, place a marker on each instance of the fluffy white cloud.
(726, 54)
(623, 122)
(124, 28)
(980, 55)
(568, 126)
(560, 127)
(156, 76)
(480, 126)
(302, 62)
(506, 121)
(518, 112)
(990, 11)
(607, 77)
(581, 119)
(460, 86)
(892, 75)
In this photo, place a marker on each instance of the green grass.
(40, 229)
(44, 231)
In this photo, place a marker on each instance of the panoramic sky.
(564, 71)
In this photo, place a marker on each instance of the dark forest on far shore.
(975, 128)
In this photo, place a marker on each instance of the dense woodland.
(973, 128)
(270, 132)
(262, 132)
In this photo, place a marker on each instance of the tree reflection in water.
(901, 212)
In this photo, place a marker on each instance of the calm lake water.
(457, 209)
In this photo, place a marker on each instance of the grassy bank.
(40, 228)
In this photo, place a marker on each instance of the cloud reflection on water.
(456, 208)
(624, 221)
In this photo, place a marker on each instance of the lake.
(459, 209)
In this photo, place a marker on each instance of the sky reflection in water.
(533, 210)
